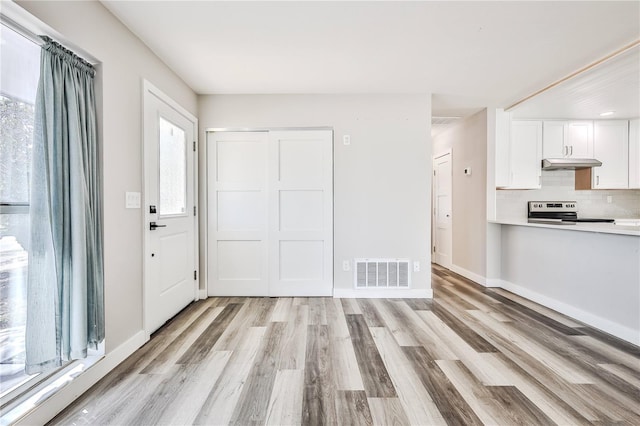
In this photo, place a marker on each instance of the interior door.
(442, 209)
(169, 202)
(237, 213)
(301, 213)
(270, 213)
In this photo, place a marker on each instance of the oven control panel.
(553, 206)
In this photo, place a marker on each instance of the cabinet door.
(503, 156)
(553, 136)
(611, 146)
(526, 154)
(579, 140)
(634, 153)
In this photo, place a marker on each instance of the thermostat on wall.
(467, 171)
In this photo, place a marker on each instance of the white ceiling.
(611, 86)
(467, 54)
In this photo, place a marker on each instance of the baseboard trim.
(620, 331)
(469, 275)
(382, 293)
(53, 405)
(493, 282)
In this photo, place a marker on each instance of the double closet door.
(270, 213)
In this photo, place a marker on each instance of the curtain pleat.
(65, 297)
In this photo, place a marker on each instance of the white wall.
(468, 143)
(125, 61)
(382, 181)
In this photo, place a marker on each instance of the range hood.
(569, 163)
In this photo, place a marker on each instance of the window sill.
(22, 405)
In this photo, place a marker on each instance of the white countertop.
(604, 228)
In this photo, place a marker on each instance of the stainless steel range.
(557, 213)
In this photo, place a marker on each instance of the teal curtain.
(65, 298)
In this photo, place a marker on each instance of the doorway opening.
(442, 209)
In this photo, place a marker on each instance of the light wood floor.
(469, 356)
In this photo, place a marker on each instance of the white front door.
(270, 213)
(442, 209)
(169, 209)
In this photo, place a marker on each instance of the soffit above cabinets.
(614, 85)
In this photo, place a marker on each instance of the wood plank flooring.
(470, 356)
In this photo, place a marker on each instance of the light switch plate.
(132, 200)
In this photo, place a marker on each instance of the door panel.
(301, 210)
(241, 210)
(300, 160)
(301, 261)
(240, 261)
(301, 213)
(237, 187)
(240, 158)
(170, 255)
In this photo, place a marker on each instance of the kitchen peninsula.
(590, 272)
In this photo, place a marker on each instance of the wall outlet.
(416, 266)
(346, 139)
(609, 199)
(346, 266)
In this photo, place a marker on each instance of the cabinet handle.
(571, 151)
(566, 150)
(597, 180)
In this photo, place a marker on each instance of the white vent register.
(381, 273)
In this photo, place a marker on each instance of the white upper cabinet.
(634, 153)
(553, 139)
(568, 139)
(579, 140)
(502, 159)
(525, 154)
(611, 146)
(518, 152)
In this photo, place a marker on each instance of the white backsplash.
(559, 185)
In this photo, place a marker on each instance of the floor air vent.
(381, 273)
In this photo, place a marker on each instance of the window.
(18, 85)
(23, 291)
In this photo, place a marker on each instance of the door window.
(173, 169)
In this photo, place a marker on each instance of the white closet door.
(301, 213)
(237, 213)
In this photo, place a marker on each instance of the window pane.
(173, 169)
(20, 70)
